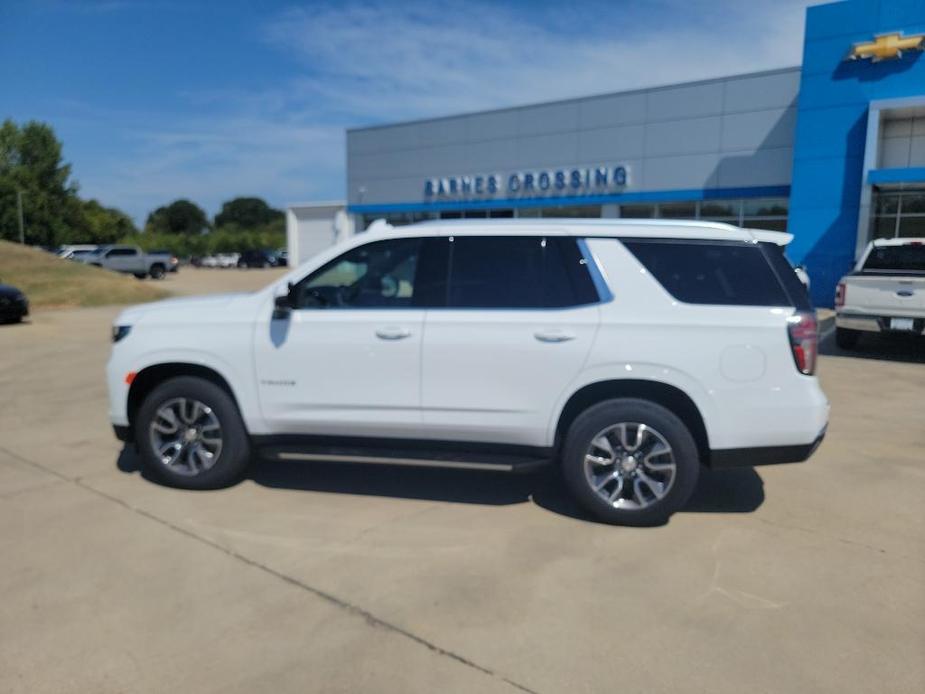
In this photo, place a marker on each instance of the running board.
(422, 458)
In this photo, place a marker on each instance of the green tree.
(31, 163)
(179, 217)
(246, 213)
(99, 224)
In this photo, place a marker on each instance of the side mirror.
(283, 304)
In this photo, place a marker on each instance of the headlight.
(120, 331)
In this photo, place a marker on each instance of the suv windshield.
(908, 258)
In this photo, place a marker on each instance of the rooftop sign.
(598, 179)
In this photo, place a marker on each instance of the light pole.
(22, 236)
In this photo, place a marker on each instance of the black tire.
(235, 453)
(598, 418)
(140, 275)
(846, 338)
(157, 271)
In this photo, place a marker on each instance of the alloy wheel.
(186, 436)
(630, 465)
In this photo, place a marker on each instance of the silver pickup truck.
(130, 259)
(885, 293)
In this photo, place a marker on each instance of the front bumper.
(726, 458)
(11, 309)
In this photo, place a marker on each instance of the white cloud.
(383, 61)
(358, 63)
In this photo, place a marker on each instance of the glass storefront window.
(637, 211)
(766, 223)
(573, 211)
(720, 208)
(898, 213)
(883, 228)
(677, 210)
(914, 202)
(912, 226)
(765, 207)
(762, 213)
(886, 203)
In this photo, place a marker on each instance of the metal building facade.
(833, 150)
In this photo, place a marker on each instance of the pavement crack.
(355, 610)
(28, 490)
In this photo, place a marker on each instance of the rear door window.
(512, 272)
(711, 272)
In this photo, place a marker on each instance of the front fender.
(239, 380)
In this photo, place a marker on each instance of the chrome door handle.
(393, 333)
(553, 336)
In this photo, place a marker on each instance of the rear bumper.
(870, 323)
(726, 458)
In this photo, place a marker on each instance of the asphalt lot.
(319, 578)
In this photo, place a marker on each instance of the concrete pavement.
(338, 579)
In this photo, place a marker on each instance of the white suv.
(630, 352)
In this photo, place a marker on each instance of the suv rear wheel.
(630, 462)
(158, 271)
(190, 435)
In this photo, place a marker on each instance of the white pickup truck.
(132, 260)
(885, 293)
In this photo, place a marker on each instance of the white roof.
(638, 228)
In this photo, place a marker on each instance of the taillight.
(804, 341)
(840, 295)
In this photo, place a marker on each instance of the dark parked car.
(13, 304)
(261, 258)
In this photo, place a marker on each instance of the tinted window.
(517, 272)
(906, 258)
(383, 274)
(711, 272)
(799, 296)
(568, 282)
(115, 252)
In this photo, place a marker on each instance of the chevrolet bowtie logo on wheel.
(886, 47)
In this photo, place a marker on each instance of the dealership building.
(832, 151)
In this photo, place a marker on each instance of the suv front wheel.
(630, 462)
(190, 435)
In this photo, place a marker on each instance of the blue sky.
(160, 99)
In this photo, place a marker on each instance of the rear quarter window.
(708, 272)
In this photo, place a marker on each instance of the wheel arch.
(668, 396)
(152, 376)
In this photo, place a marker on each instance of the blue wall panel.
(832, 126)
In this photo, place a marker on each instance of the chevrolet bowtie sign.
(886, 47)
